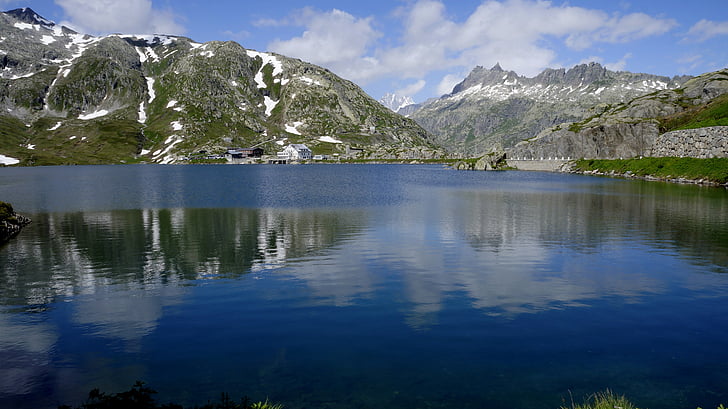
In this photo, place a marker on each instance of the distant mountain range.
(495, 109)
(71, 98)
(396, 102)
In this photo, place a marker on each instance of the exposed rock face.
(491, 161)
(710, 142)
(11, 223)
(630, 129)
(495, 109)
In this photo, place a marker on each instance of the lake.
(362, 286)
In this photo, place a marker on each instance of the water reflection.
(69, 254)
(131, 277)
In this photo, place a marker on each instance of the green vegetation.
(141, 397)
(6, 212)
(714, 113)
(603, 400)
(714, 169)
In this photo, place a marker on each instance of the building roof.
(299, 146)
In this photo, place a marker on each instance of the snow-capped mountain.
(67, 97)
(396, 102)
(495, 108)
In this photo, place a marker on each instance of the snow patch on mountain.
(7, 160)
(329, 139)
(267, 59)
(150, 88)
(93, 115)
(294, 128)
(270, 104)
(26, 26)
(47, 40)
(310, 81)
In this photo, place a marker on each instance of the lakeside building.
(295, 151)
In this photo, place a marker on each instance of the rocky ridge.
(67, 97)
(494, 109)
(634, 128)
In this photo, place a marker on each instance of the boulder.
(11, 223)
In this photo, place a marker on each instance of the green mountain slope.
(68, 98)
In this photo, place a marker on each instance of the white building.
(295, 151)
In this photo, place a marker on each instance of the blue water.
(362, 286)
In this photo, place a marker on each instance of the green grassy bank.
(714, 170)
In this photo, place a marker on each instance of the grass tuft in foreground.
(603, 400)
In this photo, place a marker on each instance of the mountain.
(71, 98)
(396, 102)
(495, 109)
(654, 124)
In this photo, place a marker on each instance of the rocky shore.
(11, 223)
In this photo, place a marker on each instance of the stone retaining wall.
(711, 142)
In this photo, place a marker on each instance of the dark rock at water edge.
(11, 223)
(491, 161)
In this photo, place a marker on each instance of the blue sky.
(422, 48)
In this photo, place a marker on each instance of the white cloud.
(448, 83)
(523, 35)
(112, 16)
(691, 62)
(334, 39)
(412, 89)
(704, 30)
(619, 65)
(238, 36)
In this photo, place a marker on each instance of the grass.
(6, 212)
(713, 169)
(603, 400)
(714, 113)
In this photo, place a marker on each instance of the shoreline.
(702, 172)
(648, 178)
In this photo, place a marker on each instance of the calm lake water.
(362, 286)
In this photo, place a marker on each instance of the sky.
(422, 48)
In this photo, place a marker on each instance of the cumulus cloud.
(448, 82)
(704, 30)
(520, 34)
(412, 89)
(112, 16)
(334, 39)
(619, 65)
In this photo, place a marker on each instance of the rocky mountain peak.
(480, 76)
(27, 15)
(497, 108)
(576, 76)
(396, 102)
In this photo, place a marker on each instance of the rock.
(11, 223)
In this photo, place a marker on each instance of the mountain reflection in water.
(392, 285)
